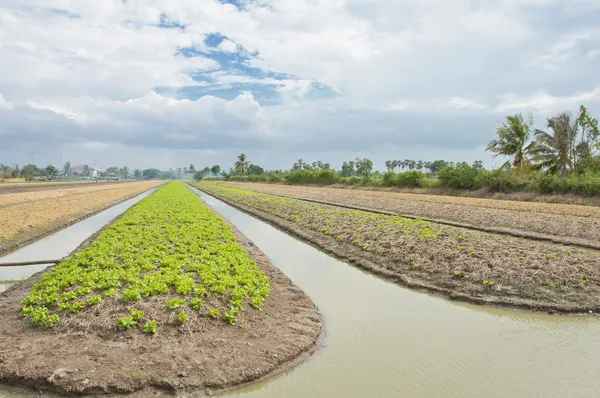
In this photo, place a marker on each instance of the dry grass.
(25, 217)
(10, 199)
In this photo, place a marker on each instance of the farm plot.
(567, 224)
(167, 290)
(457, 262)
(24, 218)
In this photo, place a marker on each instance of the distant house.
(79, 171)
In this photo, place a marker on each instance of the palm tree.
(388, 164)
(513, 141)
(555, 152)
(242, 164)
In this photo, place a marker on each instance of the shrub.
(499, 180)
(547, 183)
(410, 179)
(275, 178)
(585, 184)
(354, 180)
(320, 177)
(461, 176)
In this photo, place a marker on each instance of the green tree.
(255, 170)
(556, 152)
(51, 170)
(150, 174)
(364, 166)
(124, 172)
(30, 171)
(478, 164)
(348, 169)
(513, 140)
(389, 165)
(199, 175)
(5, 171)
(137, 173)
(192, 169)
(67, 169)
(589, 134)
(86, 171)
(241, 165)
(216, 169)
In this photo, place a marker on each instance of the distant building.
(79, 171)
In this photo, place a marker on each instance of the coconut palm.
(513, 141)
(555, 152)
(241, 165)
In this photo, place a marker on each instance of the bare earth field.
(27, 216)
(458, 263)
(205, 355)
(8, 187)
(566, 224)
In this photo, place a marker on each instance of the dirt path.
(456, 262)
(205, 355)
(23, 223)
(567, 224)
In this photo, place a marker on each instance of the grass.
(170, 245)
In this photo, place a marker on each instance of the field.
(566, 224)
(170, 294)
(457, 262)
(29, 215)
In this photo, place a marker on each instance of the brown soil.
(8, 187)
(25, 222)
(90, 357)
(566, 224)
(525, 274)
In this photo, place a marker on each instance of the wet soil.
(565, 224)
(202, 357)
(458, 263)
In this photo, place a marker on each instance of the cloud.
(186, 81)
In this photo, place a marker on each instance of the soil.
(8, 187)
(525, 274)
(565, 224)
(24, 223)
(202, 357)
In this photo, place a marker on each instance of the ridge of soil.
(203, 357)
(375, 265)
(583, 230)
(16, 242)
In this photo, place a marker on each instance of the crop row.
(448, 258)
(169, 245)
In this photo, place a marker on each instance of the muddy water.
(59, 244)
(387, 341)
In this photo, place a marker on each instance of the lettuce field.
(166, 261)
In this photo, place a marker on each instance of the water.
(387, 341)
(383, 340)
(59, 244)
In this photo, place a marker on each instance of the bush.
(275, 178)
(258, 178)
(547, 183)
(410, 179)
(354, 180)
(320, 177)
(461, 176)
(499, 180)
(585, 184)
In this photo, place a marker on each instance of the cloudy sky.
(167, 83)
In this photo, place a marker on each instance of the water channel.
(383, 340)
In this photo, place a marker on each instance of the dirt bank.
(567, 224)
(8, 187)
(24, 223)
(205, 355)
(455, 262)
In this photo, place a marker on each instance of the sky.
(165, 84)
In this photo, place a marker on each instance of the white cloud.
(462, 103)
(92, 73)
(545, 103)
(5, 104)
(227, 46)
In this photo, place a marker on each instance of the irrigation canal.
(383, 340)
